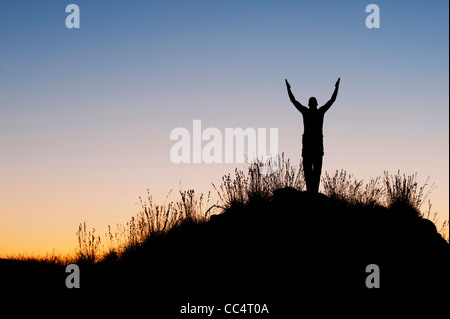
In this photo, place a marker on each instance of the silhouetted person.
(312, 151)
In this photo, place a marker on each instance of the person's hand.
(337, 82)
(287, 84)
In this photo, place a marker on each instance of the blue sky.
(86, 113)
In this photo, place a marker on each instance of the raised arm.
(296, 103)
(327, 105)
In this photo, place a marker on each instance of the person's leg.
(307, 171)
(316, 172)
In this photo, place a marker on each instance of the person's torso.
(313, 123)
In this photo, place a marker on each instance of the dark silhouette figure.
(312, 151)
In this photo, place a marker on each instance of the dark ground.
(297, 253)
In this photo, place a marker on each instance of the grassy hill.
(271, 243)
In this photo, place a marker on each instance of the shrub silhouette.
(347, 189)
(88, 245)
(256, 186)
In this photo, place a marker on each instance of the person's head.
(312, 103)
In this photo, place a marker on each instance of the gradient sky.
(86, 114)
